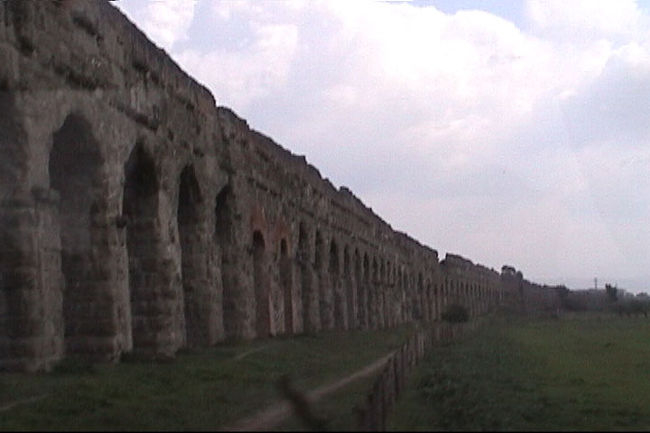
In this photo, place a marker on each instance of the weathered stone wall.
(136, 215)
(523, 296)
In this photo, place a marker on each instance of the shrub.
(455, 313)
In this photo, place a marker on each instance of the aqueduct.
(136, 215)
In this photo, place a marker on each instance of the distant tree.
(612, 292)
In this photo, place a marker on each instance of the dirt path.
(278, 412)
(19, 402)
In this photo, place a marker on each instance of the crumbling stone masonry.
(136, 215)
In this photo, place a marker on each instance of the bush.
(455, 313)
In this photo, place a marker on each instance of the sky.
(509, 132)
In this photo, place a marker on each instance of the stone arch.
(399, 313)
(261, 285)
(363, 292)
(428, 300)
(404, 296)
(188, 218)
(335, 280)
(373, 292)
(286, 283)
(462, 294)
(349, 287)
(140, 203)
(223, 237)
(358, 280)
(319, 277)
(318, 251)
(388, 288)
(436, 301)
(309, 295)
(381, 294)
(75, 173)
(418, 299)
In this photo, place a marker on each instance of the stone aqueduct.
(136, 215)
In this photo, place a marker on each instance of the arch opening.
(320, 296)
(74, 169)
(306, 280)
(223, 241)
(140, 201)
(287, 287)
(349, 289)
(189, 234)
(261, 284)
(334, 271)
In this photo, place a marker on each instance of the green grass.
(200, 390)
(585, 372)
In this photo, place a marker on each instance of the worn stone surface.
(136, 215)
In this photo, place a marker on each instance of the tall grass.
(201, 390)
(585, 372)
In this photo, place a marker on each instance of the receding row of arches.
(77, 173)
(343, 287)
(478, 296)
(323, 283)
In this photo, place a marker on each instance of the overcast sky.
(510, 132)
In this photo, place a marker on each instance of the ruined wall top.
(93, 46)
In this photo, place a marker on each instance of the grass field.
(203, 390)
(584, 372)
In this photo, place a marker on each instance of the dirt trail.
(19, 402)
(278, 412)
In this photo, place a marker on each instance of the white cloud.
(504, 144)
(164, 21)
(238, 78)
(585, 18)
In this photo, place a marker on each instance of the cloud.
(239, 77)
(584, 18)
(520, 145)
(614, 106)
(164, 21)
